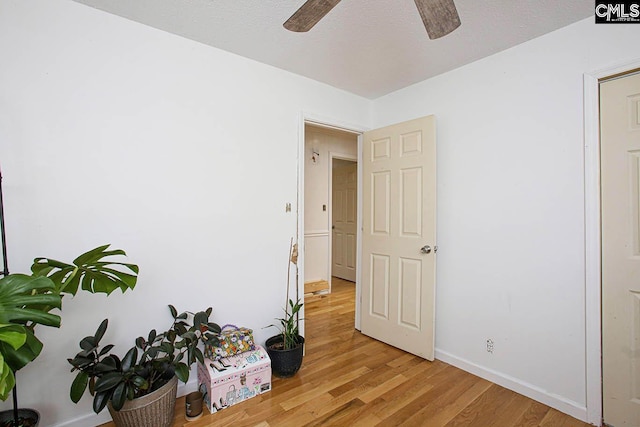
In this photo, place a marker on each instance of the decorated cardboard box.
(231, 380)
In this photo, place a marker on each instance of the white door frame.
(593, 266)
(332, 157)
(332, 123)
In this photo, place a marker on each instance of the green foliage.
(22, 298)
(14, 336)
(26, 301)
(147, 366)
(288, 325)
(90, 271)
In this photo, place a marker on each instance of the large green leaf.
(130, 359)
(119, 396)
(27, 299)
(7, 379)
(89, 271)
(108, 381)
(182, 372)
(100, 401)
(78, 386)
(14, 336)
(19, 358)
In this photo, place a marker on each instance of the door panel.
(380, 286)
(620, 182)
(344, 216)
(411, 194)
(399, 206)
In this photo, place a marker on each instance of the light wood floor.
(348, 379)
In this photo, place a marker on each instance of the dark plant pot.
(26, 418)
(284, 363)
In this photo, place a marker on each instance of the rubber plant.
(152, 362)
(26, 301)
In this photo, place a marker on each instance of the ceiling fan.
(440, 17)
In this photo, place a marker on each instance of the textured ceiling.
(367, 47)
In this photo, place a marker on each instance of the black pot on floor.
(26, 417)
(284, 363)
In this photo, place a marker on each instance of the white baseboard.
(93, 419)
(536, 393)
(88, 420)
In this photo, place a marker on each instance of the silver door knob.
(426, 249)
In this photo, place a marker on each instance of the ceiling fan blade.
(309, 14)
(440, 17)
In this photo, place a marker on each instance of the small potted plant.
(287, 348)
(139, 389)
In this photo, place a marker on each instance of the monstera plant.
(15, 337)
(26, 301)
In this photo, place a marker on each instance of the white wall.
(317, 194)
(511, 207)
(181, 154)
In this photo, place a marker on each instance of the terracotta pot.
(152, 410)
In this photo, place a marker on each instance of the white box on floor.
(234, 379)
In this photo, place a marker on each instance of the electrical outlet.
(490, 346)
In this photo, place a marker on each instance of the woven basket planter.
(153, 410)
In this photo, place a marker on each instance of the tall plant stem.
(297, 291)
(286, 303)
(5, 272)
(15, 404)
(5, 263)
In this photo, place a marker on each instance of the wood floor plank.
(349, 379)
(441, 409)
(558, 419)
(514, 410)
(323, 388)
(533, 416)
(338, 415)
(440, 384)
(482, 411)
(376, 392)
(406, 394)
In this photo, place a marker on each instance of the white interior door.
(620, 180)
(344, 217)
(399, 235)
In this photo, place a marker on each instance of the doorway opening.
(330, 214)
(343, 214)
